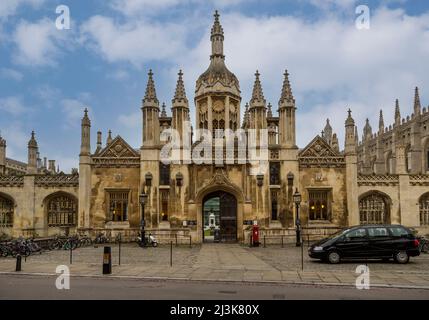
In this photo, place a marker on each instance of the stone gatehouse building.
(381, 178)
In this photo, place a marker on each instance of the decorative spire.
(328, 132)
(85, 119)
(417, 105)
(286, 96)
(163, 111)
(150, 94)
(270, 111)
(180, 93)
(397, 113)
(32, 143)
(257, 94)
(217, 38)
(381, 122)
(109, 137)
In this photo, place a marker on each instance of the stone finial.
(257, 93)
(85, 119)
(350, 121)
(417, 105)
(150, 94)
(32, 143)
(286, 95)
(246, 116)
(180, 93)
(109, 137)
(163, 111)
(217, 27)
(2, 141)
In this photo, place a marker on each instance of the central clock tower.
(217, 92)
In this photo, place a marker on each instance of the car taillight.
(416, 243)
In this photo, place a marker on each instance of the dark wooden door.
(228, 217)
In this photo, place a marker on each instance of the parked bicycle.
(101, 238)
(424, 244)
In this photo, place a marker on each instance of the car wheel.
(334, 257)
(402, 257)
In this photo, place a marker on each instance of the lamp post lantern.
(142, 200)
(297, 201)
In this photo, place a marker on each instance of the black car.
(368, 242)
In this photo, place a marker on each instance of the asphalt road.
(43, 287)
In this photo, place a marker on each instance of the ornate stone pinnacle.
(150, 94)
(286, 95)
(180, 93)
(257, 94)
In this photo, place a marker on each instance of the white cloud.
(148, 7)
(10, 7)
(37, 44)
(133, 42)
(11, 74)
(12, 105)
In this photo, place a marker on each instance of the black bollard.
(120, 240)
(18, 262)
(171, 253)
(107, 260)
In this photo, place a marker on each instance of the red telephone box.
(255, 234)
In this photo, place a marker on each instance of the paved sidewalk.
(219, 262)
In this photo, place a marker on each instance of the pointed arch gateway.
(220, 213)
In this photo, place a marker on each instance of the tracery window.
(319, 204)
(424, 210)
(6, 212)
(164, 174)
(373, 209)
(275, 173)
(62, 211)
(118, 205)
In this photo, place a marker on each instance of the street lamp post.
(143, 199)
(297, 200)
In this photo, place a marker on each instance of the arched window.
(6, 212)
(424, 209)
(62, 211)
(374, 209)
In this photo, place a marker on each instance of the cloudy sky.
(47, 76)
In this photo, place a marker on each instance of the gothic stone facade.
(381, 179)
